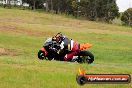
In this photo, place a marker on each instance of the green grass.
(22, 33)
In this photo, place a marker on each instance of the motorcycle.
(51, 51)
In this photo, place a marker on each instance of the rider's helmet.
(58, 38)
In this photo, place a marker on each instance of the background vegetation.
(127, 17)
(95, 10)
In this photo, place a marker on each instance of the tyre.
(41, 55)
(86, 56)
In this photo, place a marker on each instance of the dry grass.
(10, 52)
(41, 22)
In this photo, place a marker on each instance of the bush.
(127, 17)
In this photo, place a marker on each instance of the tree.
(127, 17)
(34, 4)
(111, 10)
(104, 10)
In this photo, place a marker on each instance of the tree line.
(102, 10)
(94, 10)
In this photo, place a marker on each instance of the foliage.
(34, 4)
(94, 10)
(105, 10)
(127, 17)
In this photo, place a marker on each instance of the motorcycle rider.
(61, 48)
(66, 45)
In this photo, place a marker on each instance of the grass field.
(23, 32)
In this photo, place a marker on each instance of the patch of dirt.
(30, 32)
(11, 52)
(15, 20)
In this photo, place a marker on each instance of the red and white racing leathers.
(74, 48)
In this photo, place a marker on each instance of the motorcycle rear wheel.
(85, 57)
